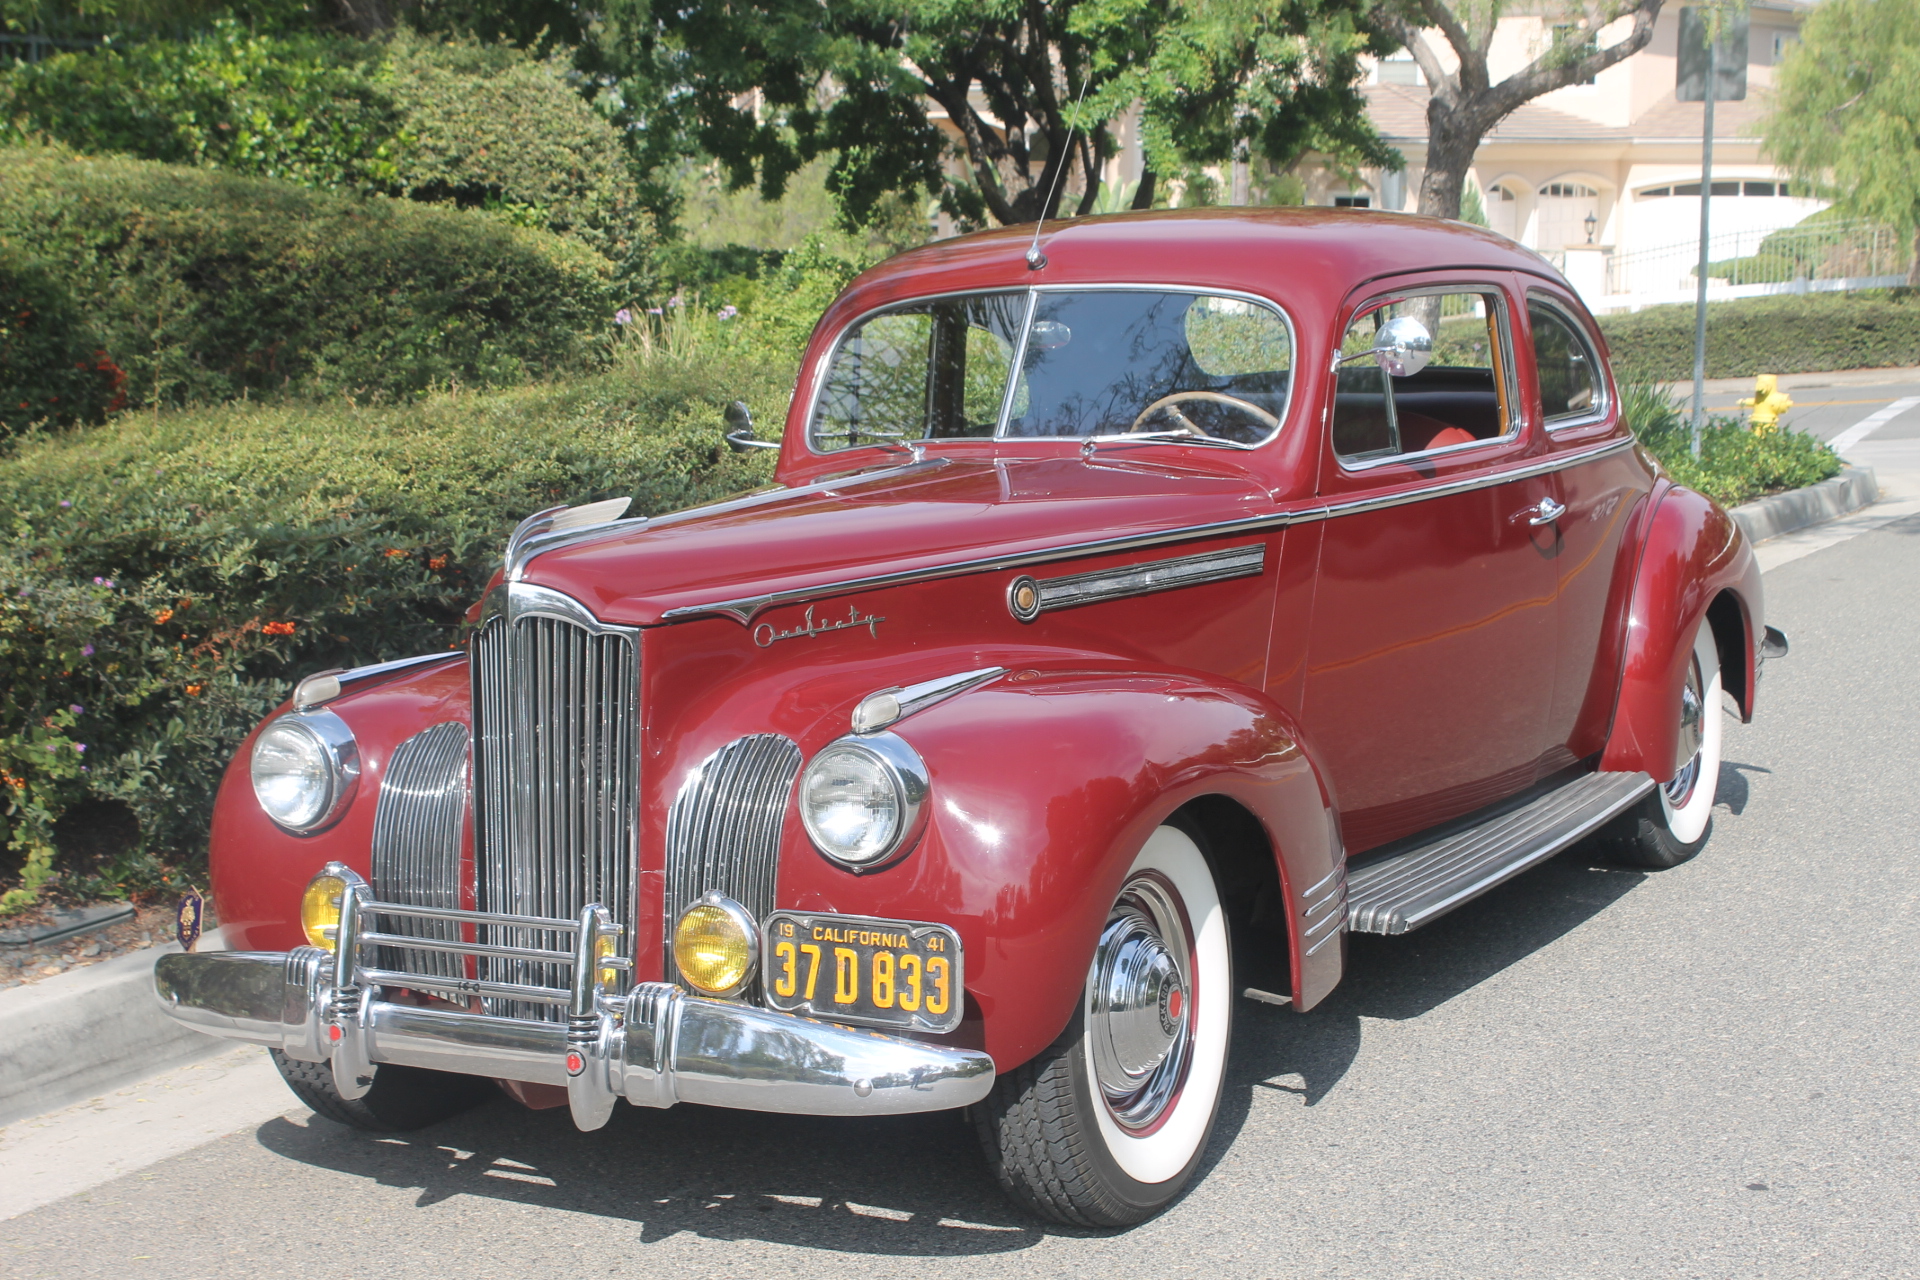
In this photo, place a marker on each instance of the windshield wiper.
(1175, 435)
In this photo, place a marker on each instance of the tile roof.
(1399, 112)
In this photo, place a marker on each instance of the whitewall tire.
(1672, 825)
(1107, 1126)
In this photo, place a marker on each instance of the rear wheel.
(401, 1097)
(1673, 824)
(1106, 1127)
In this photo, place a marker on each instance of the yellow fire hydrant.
(1767, 403)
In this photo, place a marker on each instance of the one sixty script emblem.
(766, 633)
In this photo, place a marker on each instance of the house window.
(1353, 202)
(1399, 69)
(1743, 189)
(1564, 210)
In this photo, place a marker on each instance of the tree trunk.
(1452, 139)
(1143, 194)
(1913, 268)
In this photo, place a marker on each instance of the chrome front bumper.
(654, 1047)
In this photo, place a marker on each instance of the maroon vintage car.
(1139, 612)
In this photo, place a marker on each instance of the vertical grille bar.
(558, 779)
(723, 832)
(416, 844)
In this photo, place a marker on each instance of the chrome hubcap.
(1140, 1004)
(1692, 714)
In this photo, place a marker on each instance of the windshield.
(1058, 363)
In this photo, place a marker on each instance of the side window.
(1569, 372)
(1459, 398)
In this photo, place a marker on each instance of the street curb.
(1780, 513)
(75, 1036)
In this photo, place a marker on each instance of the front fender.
(1044, 788)
(1695, 565)
(260, 870)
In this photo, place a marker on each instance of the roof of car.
(1254, 248)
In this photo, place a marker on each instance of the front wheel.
(401, 1097)
(1106, 1127)
(1672, 824)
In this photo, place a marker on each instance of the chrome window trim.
(1570, 422)
(743, 609)
(1516, 416)
(1026, 326)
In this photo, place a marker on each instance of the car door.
(1431, 658)
(1602, 487)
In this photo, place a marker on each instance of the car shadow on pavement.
(888, 1186)
(918, 1185)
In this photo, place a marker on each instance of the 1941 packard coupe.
(1138, 612)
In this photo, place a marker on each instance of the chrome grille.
(416, 844)
(556, 777)
(723, 832)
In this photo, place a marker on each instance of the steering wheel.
(1186, 424)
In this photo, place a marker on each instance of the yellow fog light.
(320, 909)
(716, 945)
(603, 947)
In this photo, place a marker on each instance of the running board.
(1403, 892)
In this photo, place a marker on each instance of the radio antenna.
(1036, 260)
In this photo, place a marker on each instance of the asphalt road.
(1711, 1071)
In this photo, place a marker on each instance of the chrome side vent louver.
(416, 844)
(556, 777)
(723, 832)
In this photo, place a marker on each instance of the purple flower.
(674, 301)
(654, 311)
(77, 709)
(729, 311)
(86, 651)
(53, 746)
(65, 503)
(623, 316)
(79, 748)
(109, 582)
(99, 582)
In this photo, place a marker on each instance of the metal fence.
(1824, 251)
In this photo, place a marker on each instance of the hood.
(905, 520)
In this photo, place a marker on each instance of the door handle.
(1546, 513)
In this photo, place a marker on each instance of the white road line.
(1860, 430)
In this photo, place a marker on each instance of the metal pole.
(1700, 295)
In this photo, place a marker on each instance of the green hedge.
(1808, 333)
(164, 578)
(478, 126)
(204, 286)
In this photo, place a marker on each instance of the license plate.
(879, 973)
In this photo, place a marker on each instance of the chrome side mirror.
(1402, 347)
(739, 423)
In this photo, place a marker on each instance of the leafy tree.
(1466, 102)
(766, 85)
(1845, 116)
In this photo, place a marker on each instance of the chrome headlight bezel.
(903, 770)
(333, 745)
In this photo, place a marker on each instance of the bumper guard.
(654, 1046)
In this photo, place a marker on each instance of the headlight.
(716, 945)
(863, 798)
(305, 768)
(320, 905)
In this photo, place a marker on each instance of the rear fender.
(1045, 787)
(1695, 566)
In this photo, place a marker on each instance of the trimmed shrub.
(206, 286)
(475, 125)
(53, 367)
(166, 577)
(1734, 465)
(1807, 333)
